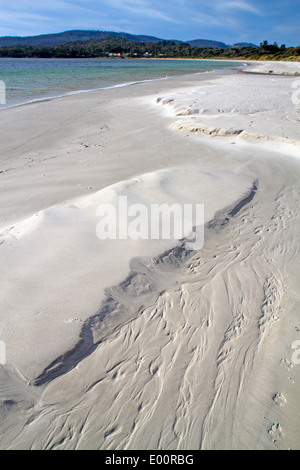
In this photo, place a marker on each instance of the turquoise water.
(28, 80)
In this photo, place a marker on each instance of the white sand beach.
(142, 344)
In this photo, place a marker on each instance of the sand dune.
(52, 241)
(253, 108)
(143, 344)
(274, 68)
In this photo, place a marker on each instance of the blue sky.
(229, 21)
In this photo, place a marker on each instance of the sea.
(24, 81)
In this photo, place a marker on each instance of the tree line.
(124, 48)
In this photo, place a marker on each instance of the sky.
(229, 21)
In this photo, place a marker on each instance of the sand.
(143, 344)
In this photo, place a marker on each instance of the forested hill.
(66, 37)
(79, 35)
(124, 48)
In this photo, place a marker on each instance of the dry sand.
(140, 344)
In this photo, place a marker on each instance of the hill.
(74, 36)
(67, 37)
(245, 44)
(124, 45)
(207, 43)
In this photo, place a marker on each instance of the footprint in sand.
(279, 399)
(286, 364)
(275, 432)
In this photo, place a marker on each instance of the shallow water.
(28, 80)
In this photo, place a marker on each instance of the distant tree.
(263, 44)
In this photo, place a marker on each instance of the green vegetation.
(123, 48)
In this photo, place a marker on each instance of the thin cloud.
(140, 8)
(205, 20)
(239, 6)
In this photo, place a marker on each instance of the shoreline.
(143, 345)
(120, 85)
(117, 85)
